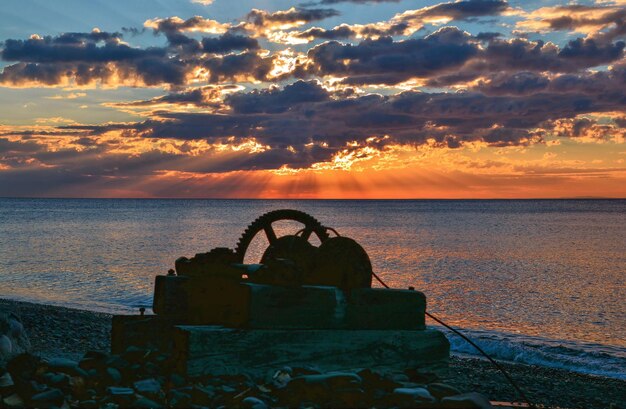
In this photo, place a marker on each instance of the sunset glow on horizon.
(354, 99)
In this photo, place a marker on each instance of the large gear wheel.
(264, 223)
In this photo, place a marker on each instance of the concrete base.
(201, 350)
(221, 301)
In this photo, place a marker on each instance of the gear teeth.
(268, 218)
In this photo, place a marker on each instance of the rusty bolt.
(142, 310)
(411, 288)
(171, 272)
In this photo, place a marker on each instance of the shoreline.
(65, 332)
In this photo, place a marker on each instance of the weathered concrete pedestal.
(217, 350)
(228, 327)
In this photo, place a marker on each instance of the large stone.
(441, 390)
(13, 338)
(470, 400)
(408, 397)
(52, 397)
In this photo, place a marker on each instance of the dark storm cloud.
(450, 56)
(73, 47)
(175, 25)
(410, 21)
(230, 67)
(357, 1)
(99, 56)
(610, 19)
(193, 97)
(228, 42)
(262, 18)
(11, 147)
(342, 31)
(208, 96)
(520, 83)
(86, 57)
(463, 9)
(304, 114)
(390, 62)
(275, 100)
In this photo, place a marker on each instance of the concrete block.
(381, 308)
(202, 350)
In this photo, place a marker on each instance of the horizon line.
(312, 199)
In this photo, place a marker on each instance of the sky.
(312, 99)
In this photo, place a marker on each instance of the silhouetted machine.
(297, 290)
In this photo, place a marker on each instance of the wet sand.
(63, 332)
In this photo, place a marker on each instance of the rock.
(13, 339)
(78, 388)
(117, 362)
(414, 395)
(400, 378)
(333, 380)
(6, 381)
(281, 378)
(177, 380)
(16, 329)
(6, 347)
(148, 387)
(348, 398)
(375, 380)
(120, 391)
(89, 364)
(179, 399)
(51, 397)
(253, 403)
(113, 376)
(318, 388)
(88, 404)
(203, 395)
(415, 375)
(66, 366)
(135, 354)
(57, 380)
(146, 403)
(470, 400)
(441, 390)
(23, 366)
(13, 401)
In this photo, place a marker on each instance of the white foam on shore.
(587, 358)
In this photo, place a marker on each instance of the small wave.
(587, 358)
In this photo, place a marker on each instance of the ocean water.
(533, 281)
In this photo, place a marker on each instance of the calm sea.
(535, 281)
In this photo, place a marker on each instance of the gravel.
(68, 333)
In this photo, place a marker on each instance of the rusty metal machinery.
(289, 260)
(296, 285)
(216, 287)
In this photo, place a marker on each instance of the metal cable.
(479, 349)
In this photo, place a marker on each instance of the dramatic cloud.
(405, 23)
(450, 56)
(357, 1)
(385, 61)
(304, 115)
(293, 17)
(249, 96)
(193, 24)
(606, 22)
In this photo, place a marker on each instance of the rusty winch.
(289, 260)
(302, 294)
(203, 287)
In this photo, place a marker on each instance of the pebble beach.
(58, 332)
